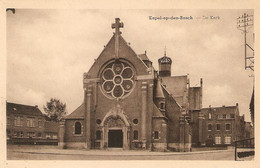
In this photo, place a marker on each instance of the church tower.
(165, 65)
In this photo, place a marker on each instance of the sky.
(48, 51)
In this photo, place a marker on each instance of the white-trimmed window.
(224, 116)
(209, 127)
(31, 122)
(232, 115)
(18, 121)
(218, 139)
(48, 135)
(210, 115)
(228, 139)
(228, 127)
(220, 116)
(31, 134)
(40, 123)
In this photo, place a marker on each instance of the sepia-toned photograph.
(135, 84)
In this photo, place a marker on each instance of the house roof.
(13, 108)
(223, 109)
(144, 57)
(51, 126)
(77, 114)
(177, 86)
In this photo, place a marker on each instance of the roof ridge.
(21, 104)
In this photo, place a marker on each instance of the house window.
(18, 134)
(228, 116)
(220, 116)
(218, 127)
(39, 123)
(31, 134)
(48, 135)
(209, 127)
(227, 139)
(224, 116)
(228, 127)
(232, 115)
(31, 122)
(135, 135)
(18, 121)
(156, 134)
(55, 136)
(39, 135)
(98, 135)
(210, 116)
(77, 128)
(8, 120)
(218, 139)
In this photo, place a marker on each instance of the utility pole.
(244, 23)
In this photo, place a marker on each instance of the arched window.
(135, 135)
(77, 128)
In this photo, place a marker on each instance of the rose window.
(117, 79)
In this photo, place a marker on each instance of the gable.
(78, 113)
(125, 53)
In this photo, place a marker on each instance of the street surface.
(23, 152)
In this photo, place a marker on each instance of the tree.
(55, 109)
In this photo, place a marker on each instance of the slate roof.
(144, 57)
(77, 114)
(51, 126)
(13, 108)
(177, 86)
(220, 110)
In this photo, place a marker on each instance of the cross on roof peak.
(117, 25)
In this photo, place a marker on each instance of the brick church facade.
(128, 104)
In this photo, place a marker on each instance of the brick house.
(27, 124)
(219, 126)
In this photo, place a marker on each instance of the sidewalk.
(108, 152)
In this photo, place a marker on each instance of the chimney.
(201, 82)
(223, 106)
(237, 104)
(36, 106)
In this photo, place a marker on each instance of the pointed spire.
(159, 91)
(165, 51)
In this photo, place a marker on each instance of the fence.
(246, 148)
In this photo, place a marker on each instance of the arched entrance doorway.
(115, 128)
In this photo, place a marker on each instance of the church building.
(128, 104)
